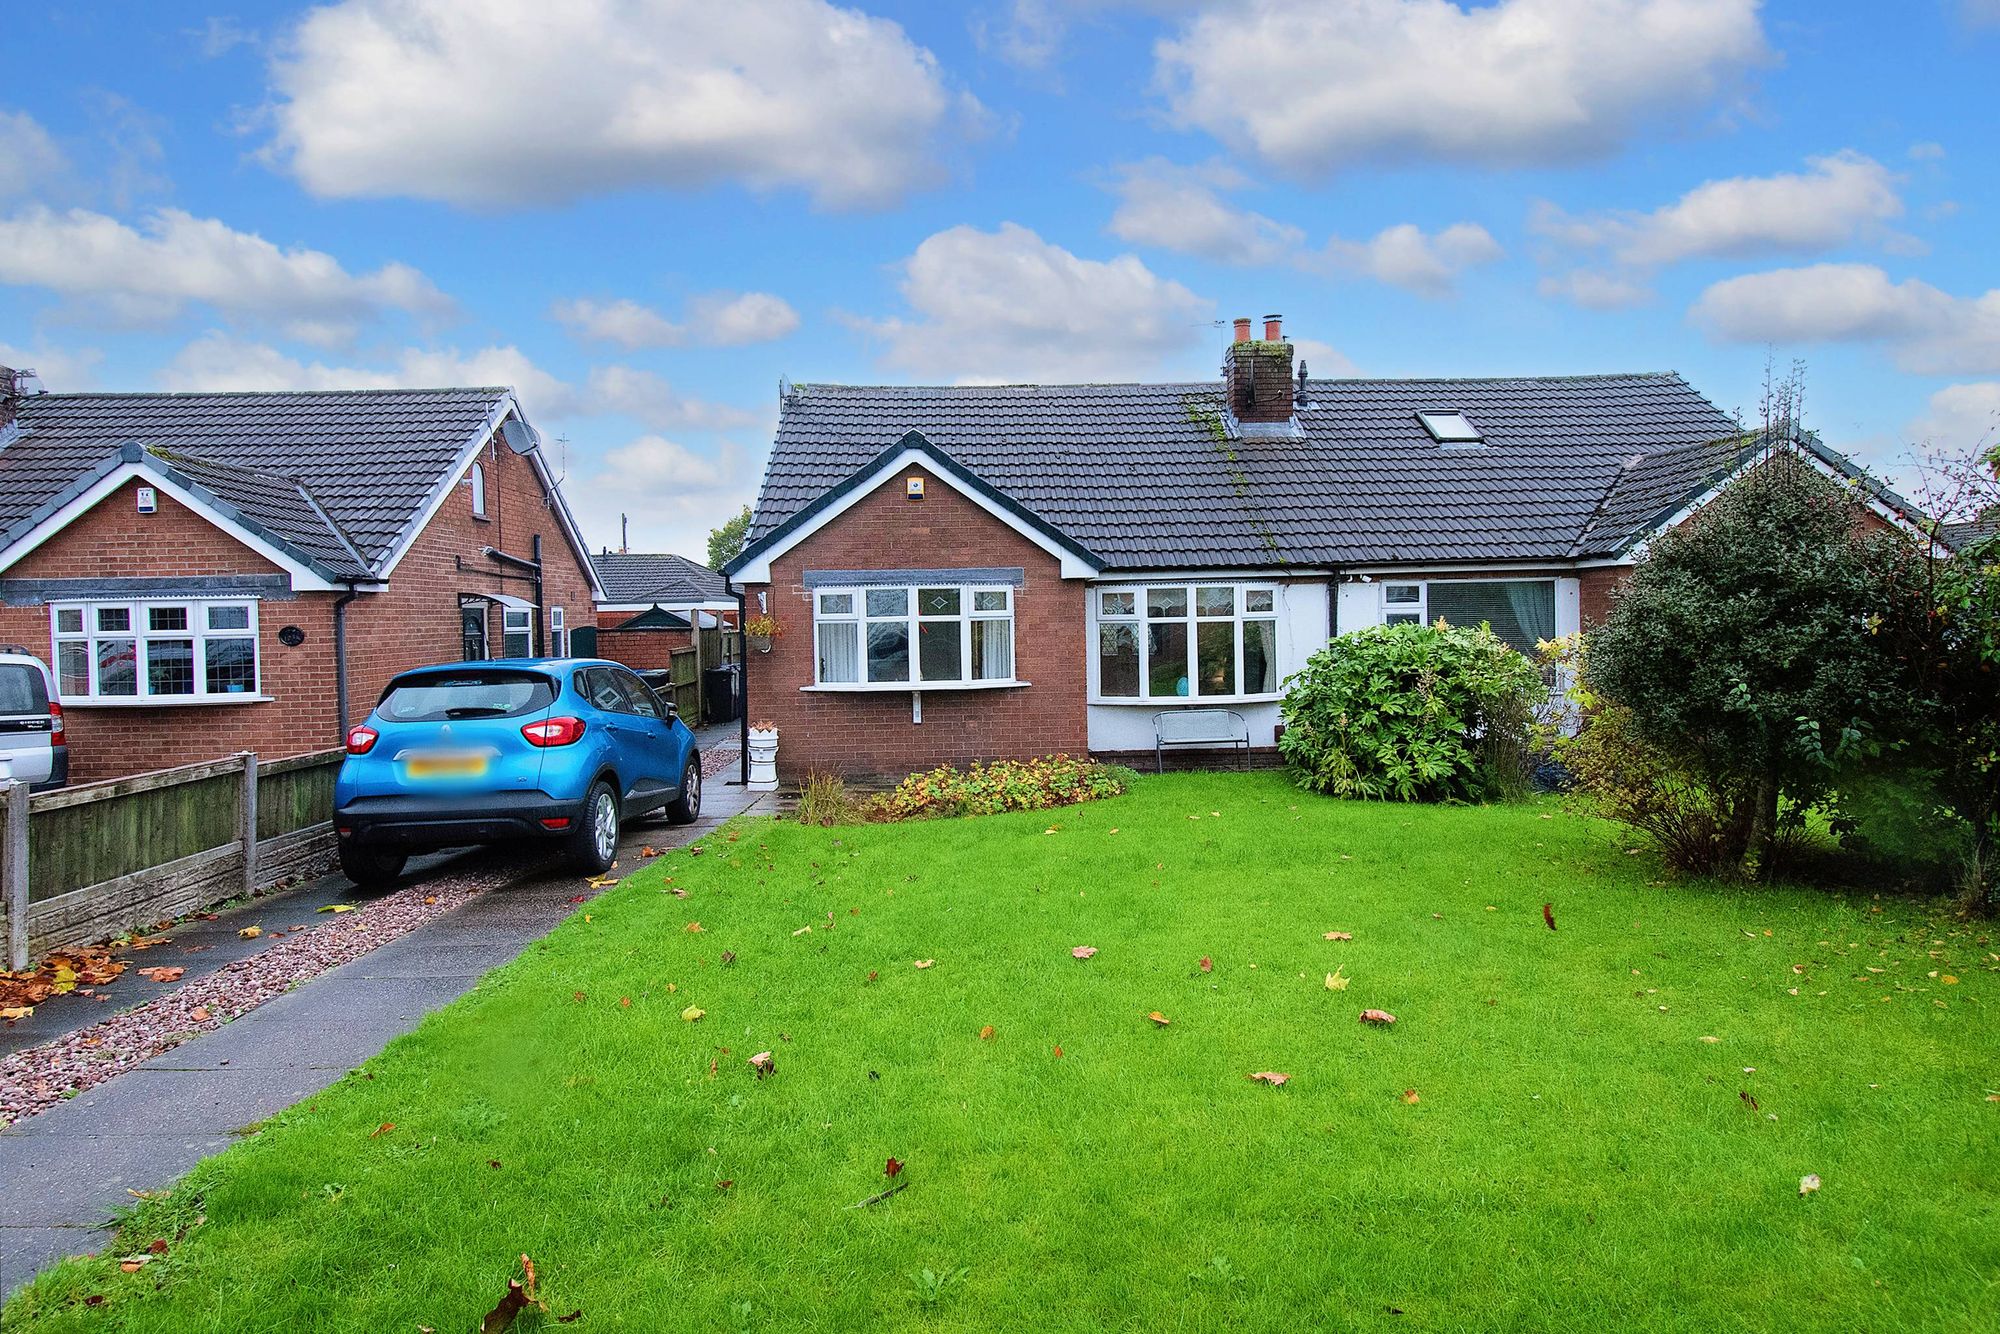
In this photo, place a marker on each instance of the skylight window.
(1451, 428)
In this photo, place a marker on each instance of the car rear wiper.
(475, 711)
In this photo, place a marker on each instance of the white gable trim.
(304, 578)
(1839, 477)
(467, 455)
(758, 571)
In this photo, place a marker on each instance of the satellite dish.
(520, 437)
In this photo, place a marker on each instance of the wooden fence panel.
(686, 674)
(295, 793)
(75, 844)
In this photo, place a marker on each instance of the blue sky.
(643, 213)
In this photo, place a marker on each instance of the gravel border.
(35, 1079)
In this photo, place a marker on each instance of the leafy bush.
(1411, 713)
(1000, 785)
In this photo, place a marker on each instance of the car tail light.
(554, 732)
(555, 822)
(58, 730)
(361, 740)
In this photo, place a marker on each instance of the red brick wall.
(871, 733)
(1595, 588)
(642, 649)
(414, 621)
(112, 540)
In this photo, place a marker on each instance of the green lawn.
(1579, 1155)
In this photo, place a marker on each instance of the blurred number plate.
(447, 764)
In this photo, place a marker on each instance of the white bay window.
(1187, 641)
(167, 652)
(936, 635)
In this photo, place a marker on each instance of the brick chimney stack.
(1258, 375)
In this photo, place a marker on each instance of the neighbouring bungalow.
(651, 603)
(208, 573)
(966, 573)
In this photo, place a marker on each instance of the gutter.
(743, 677)
(340, 656)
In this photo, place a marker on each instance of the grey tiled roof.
(1959, 536)
(632, 577)
(339, 474)
(1136, 473)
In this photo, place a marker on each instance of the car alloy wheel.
(693, 794)
(604, 827)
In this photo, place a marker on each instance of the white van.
(33, 749)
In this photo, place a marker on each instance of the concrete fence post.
(246, 829)
(14, 870)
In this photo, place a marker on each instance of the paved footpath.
(63, 1173)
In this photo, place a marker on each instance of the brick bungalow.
(651, 602)
(208, 573)
(963, 573)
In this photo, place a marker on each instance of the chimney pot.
(1272, 333)
(1243, 329)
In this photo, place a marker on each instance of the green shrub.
(1411, 713)
(1001, 785)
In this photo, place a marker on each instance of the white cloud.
(217, 361)
(1959, 417)
(1181, 209)
(179, 259)
(1031, 33)
(1594, 290)
(1839, 199)
(1927, 331)
(1313, 86)
(29, 158)
(61, 370)
(521, 102)
(720, 319)
(1006, 306)
(1323, 360)
(670, 493)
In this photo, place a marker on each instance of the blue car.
(552, 749)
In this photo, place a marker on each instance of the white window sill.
(1190, 701)
(905, 687)
(158, 701)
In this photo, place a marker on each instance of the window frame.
(1422, 606)
(198, 634)
(914, 619)
(1191, 618)
(526, 629)
(475, 476)
(558, 633)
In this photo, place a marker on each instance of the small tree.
(725, 544)
(1745, 647)
(1411, 713)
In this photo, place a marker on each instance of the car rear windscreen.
(22, 689)
(469, 694)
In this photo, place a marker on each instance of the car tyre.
(593, 842)
(686, 808)
(369, 867)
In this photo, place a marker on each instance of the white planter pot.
(763, 759)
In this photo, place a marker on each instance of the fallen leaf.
(381, 1130)
(763, 1063)
(923, 963)
(1207, 964)
(1338, 935)
(1377, 1017)
(493, 1163)
(692, 1013)
(430, 899)
(571, 1318)
(1059, 1052)
(804, 930)
(576, 898)
(1706, 1038)
(1336, 982)
(1410, 1096)
(1053, 829)
(1159, 1019)
(1549, 915)
(891, 1168)
(601, 881)
(1083, 951)
(725, 1183)
(338, 907)
(1111, 831)
(1808, 1183)
(159, 1246)
(1271, 1077)
(1748, 1101)
(577, 996)
(986, 1033)
(649, 851)
(624, 1002)
(872, 975)
(251, 932)
(133, 1265)
(163, 974)
(1949, 980)
(678, 892)
(199, 1014)
(694, 927)
(13, 1012)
